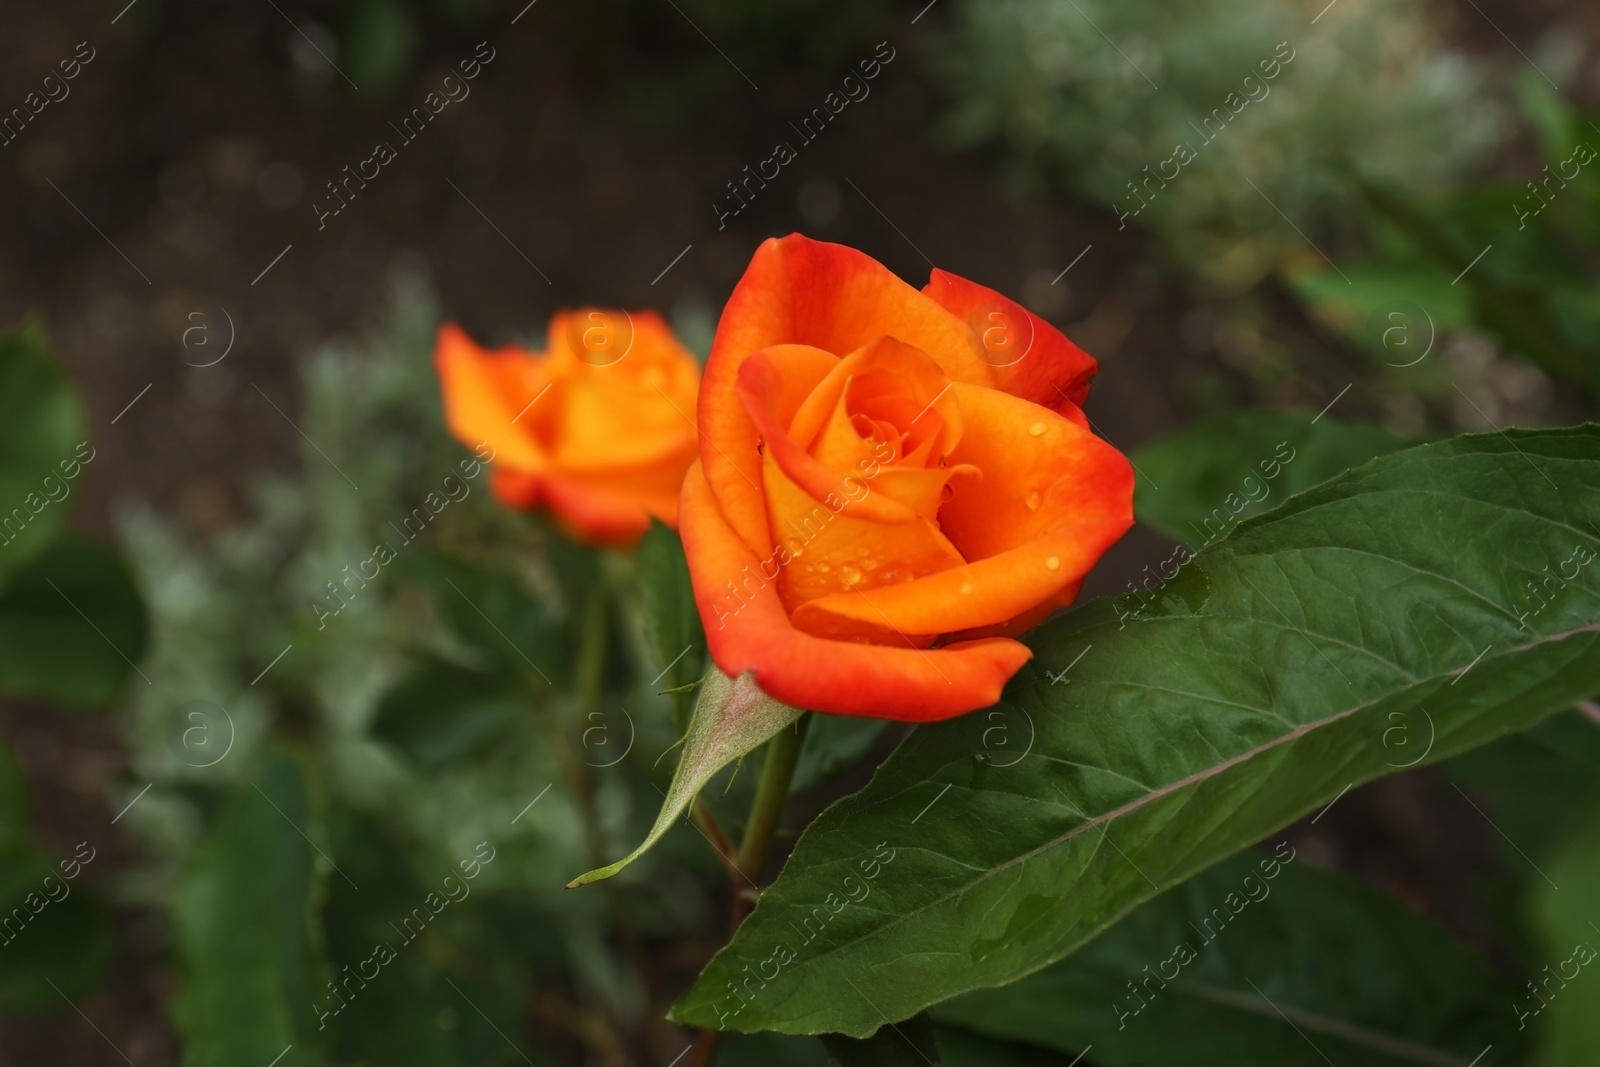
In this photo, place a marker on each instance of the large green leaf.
(835, 744)
(72, 626)
(1195, 484)
(1260, 959)
(242, 915)
(1256, 687)
(41, 427)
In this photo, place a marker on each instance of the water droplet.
(966, 587)
(1053, 563)
(869, 564)
(1037, 429)
(1035, 498)
(849, 574)
(822, 568)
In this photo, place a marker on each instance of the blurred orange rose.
(599, 428)
(893, 483)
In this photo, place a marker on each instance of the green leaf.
(1261, 683)
(242, 915)
(731, 719)
(963, 1048)
(489, 609)
(441, 714)
(41, 427)
(1538, 786)
(1563, 1002)
(1369, 301)
(415, 1001)
(57, 940)
(72, 626)
(1217, 472)
(51, 928)
(908, 1044)
(672, 620)
(834, 744)
(1264, 960)
(770, 1050)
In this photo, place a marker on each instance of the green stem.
(772, 792)
(592, 650)
(589, 687)
(755, 848)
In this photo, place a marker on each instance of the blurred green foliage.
(71, 626)
(1085, 94)
(1518, 260)
(401, 723)
(1193, 485)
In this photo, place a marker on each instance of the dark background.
(190, 148)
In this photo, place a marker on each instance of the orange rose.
(599, 429)
(892, 483)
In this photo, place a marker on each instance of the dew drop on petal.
(849, 574)
(966, 587)
(1037, 429)
(1053, 563)
(822, 568)
(869, 564)
(1035, 498)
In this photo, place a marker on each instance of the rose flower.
(892, 484)
(599, 429)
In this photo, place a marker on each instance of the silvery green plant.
(222, 607)
(1087, 94)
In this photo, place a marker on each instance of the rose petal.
(1048, 370)
(591, 513)
(898, 381)
(1051, 499)
(768, 384)
(986, 593)
(753, 633)
(483, 391)
(621, 415)
(1041, 472)
(834, 550)
(800, 291)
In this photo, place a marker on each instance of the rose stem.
(755, 848)
(772, 792)
(589, 685)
